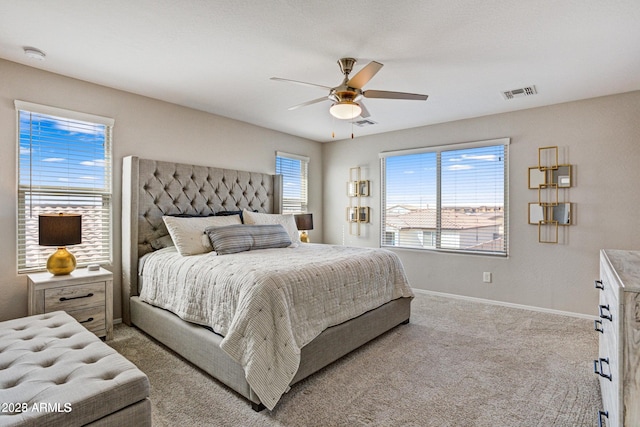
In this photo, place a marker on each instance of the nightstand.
(85, 295)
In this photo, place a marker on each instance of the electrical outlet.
(486, 277)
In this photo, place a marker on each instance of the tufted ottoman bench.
(54, 372)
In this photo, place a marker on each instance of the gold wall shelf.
(357, 188)
(550, 178)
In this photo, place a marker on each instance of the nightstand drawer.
(91, 318)
(84, 294)
(76, 297)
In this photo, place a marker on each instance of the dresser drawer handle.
(597, 325)
(89, 295)
(597, 368)
(600, 415)
(90, 319)
(608, 315)
(599, 284)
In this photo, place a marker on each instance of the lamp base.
(304, 237)
(61, 262)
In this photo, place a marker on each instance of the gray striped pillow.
(235, 238)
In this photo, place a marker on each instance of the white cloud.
(483, 157)
(97, 162)
(459, 167)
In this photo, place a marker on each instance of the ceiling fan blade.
(278, 79)
(313, 101)
(365, 113)
(393, 95)
(363, 76)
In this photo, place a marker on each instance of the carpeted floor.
(458, 363)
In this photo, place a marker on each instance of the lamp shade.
(304, 221)
(345, 110)
(59, 230)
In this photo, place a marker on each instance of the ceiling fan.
(346, 97)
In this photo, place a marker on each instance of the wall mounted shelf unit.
(551, 179)
(357, 188)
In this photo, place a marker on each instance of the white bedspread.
(270, 303)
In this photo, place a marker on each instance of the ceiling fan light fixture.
(345, 110)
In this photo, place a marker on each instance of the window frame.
(289, 203)
(33, 258)
(396, 244)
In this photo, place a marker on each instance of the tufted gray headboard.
(151, 189)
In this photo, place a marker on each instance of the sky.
(470, 177)
(62, 152)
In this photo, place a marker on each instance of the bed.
(153, 189)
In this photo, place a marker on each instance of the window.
(64, 166)
(449, 198)
(294, 171)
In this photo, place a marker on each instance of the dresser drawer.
(91, 318)
(71, 298)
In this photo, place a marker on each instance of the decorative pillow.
(162, 242)
(226, 213)
(286, 220)
(188, 233)
(239, 238)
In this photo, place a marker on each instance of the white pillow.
(286, 220)
(188, 233)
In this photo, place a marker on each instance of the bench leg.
(257, 406)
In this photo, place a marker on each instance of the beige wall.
(144, 127)
(600, 136)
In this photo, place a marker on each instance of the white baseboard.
(506, 304)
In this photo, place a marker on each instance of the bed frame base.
(201, 347)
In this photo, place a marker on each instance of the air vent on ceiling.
(519, 93)
(363, 123)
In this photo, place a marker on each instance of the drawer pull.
(89, 295)
(600, 415)
(90, 319)
(599, 284)
(597, 325)
(597, 368)
(606, 315)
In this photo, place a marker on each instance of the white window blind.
(449, 198)
(294, 171)
(64, 166)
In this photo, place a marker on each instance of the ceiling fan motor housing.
(346, 65)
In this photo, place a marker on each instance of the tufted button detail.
(47, 363)
(109, 376)
(60, 380)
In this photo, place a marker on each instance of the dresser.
(84, 294)
(618, 326)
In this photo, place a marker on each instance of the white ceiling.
(218, 55)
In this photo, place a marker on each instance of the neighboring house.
(462, 228)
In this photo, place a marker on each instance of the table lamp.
(304, 222)
(60, 230)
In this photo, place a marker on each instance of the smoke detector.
(519, 93)
(34, 53)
